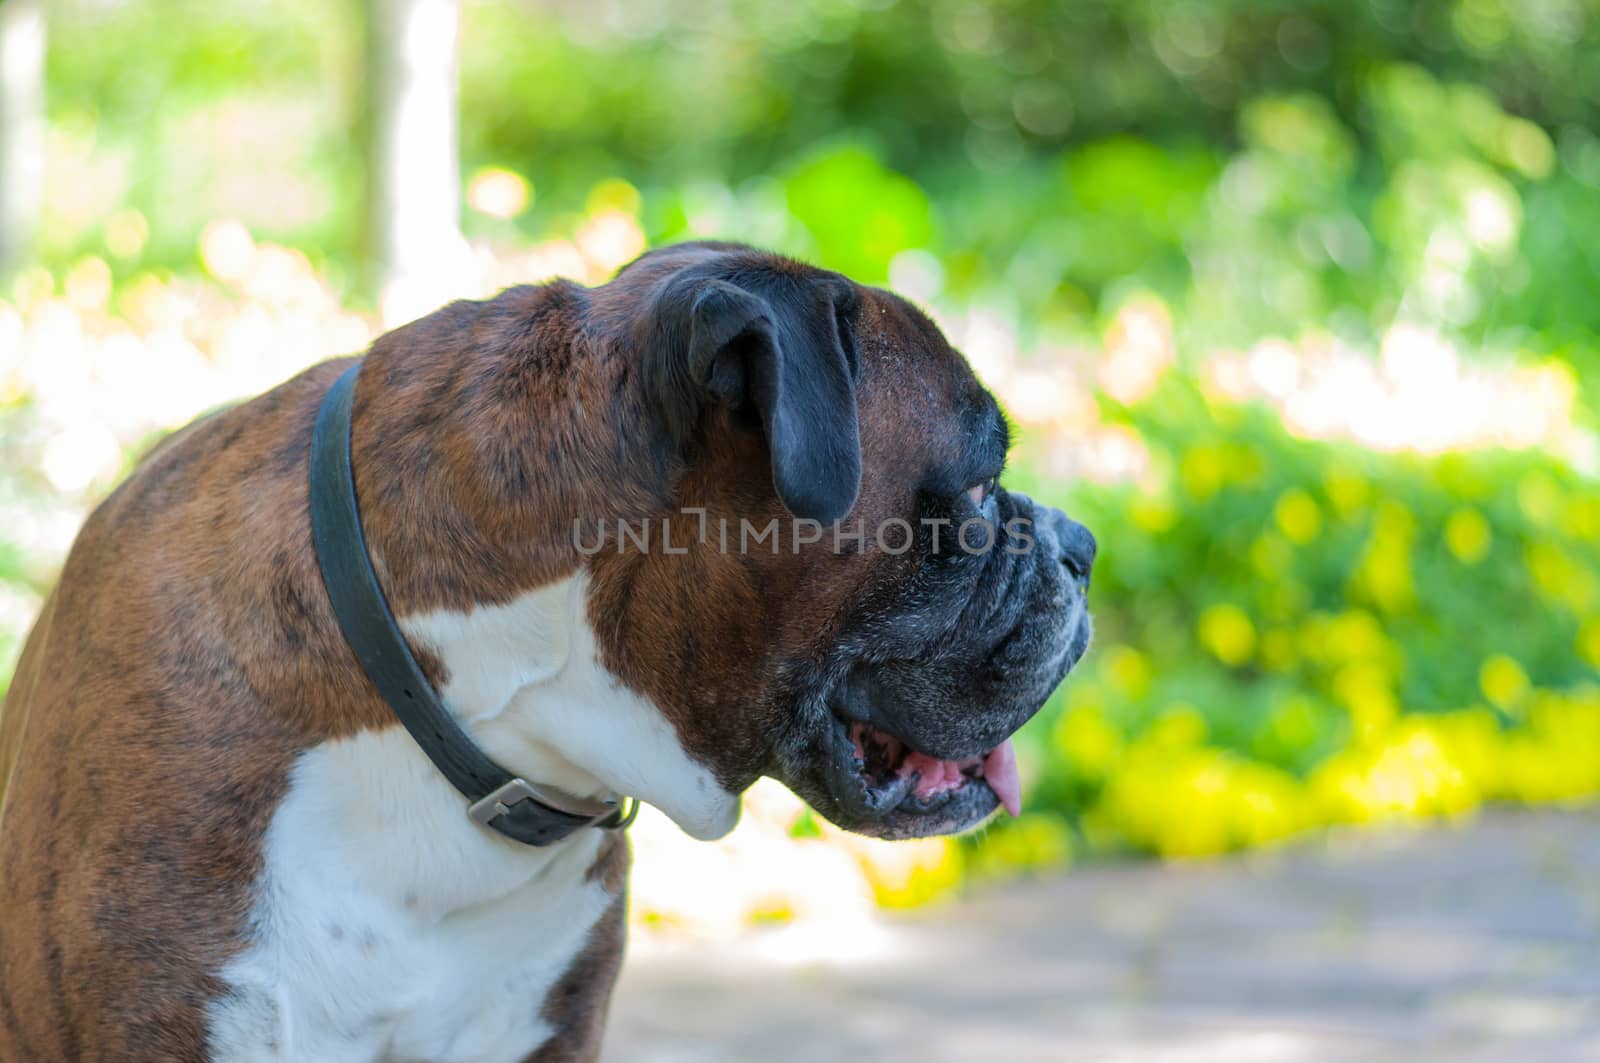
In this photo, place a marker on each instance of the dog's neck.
(527, 681)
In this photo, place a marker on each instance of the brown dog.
(605, 519)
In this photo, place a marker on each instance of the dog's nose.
(1077, 548)
(1075, 542)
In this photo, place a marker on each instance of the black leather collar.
(516, 808)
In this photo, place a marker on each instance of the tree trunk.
(21, 128)
(413, 171)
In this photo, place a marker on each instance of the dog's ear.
(786, 358)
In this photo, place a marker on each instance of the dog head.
(839, 593)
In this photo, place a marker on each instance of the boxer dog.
(216, 843)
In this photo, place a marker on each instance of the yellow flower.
(1468, 536)
(1129, 671)
(1201, 471)
(1364, 689)
(1189, 802)
(1088, 744)
(1349, 492)
(1153, 515)
(1582, 519)
(1384, 572)
(1227, 632)
(1356, 634)
(1410, 774)
(1589, 642)
(1180, 726)
(1298, 516)
(613, 194)
(1035, 840)
(1561, 578)
(1503, 681)
(908, 874)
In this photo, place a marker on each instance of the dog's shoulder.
(144, 743)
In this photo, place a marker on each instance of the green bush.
(1293, 634)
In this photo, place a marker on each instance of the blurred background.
(1294, 303)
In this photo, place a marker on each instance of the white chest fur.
(386, 925)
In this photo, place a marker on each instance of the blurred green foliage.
(1263, 165)
(1292, 633)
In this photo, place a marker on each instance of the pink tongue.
(1000, 772)
(935, 776)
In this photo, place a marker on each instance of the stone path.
(1480, 942)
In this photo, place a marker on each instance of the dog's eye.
(980, 492)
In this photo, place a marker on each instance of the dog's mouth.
(882, 785)
(892, 773)
(913, 747)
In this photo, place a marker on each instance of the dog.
(725, 516)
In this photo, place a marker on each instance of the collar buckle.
(500, 801)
